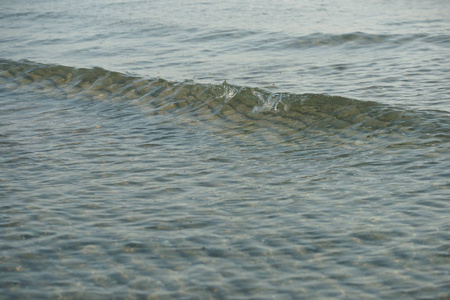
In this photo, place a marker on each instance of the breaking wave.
(234, 105)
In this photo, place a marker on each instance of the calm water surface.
(224, 150)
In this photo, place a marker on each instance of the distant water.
(224, 150)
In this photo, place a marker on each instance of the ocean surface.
(204, 149)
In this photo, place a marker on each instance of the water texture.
(117, 185)
(233, 150)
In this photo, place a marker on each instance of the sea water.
(224, 149)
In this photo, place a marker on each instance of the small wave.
(234, 104)
(361, 39)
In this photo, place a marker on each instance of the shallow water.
(298, 177)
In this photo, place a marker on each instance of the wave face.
(238, 106)
(114, 185)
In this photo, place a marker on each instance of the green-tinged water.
(118, 186)
(204, 149)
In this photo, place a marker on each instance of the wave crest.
(229, 102)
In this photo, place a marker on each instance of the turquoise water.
(243, 150)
